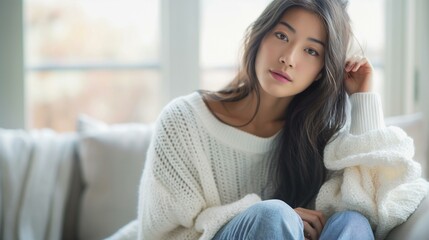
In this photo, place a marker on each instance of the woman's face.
(291, 56)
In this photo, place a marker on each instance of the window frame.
(12, 90)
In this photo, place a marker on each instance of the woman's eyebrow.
(294, 31)
(288, 26)
(316, 41)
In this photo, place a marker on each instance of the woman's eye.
(312, 52)
(282, 36)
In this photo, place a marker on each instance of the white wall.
(12, 87)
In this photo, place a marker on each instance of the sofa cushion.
(112, 159)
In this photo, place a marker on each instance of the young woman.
(251, 161)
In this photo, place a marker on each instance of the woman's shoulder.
(180, 122)
(183, 110)
(180, 105)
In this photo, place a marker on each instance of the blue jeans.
(274, 219)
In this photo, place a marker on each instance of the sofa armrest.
(416, 227)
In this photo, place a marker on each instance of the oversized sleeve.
(373, 171)
(178, 197)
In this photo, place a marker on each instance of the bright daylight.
(214, 119)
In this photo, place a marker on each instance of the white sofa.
(84, 185)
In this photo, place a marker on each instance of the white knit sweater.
(200, 173)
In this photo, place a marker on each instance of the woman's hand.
(358, 76)
(314, 221)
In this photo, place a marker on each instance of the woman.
(247, 162)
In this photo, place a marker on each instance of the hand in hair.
(313, 222)
(358, 75)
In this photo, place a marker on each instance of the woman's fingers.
(310, 232)
(359, 64)
(315, 218)
(353, 64)
(350, 63)
(358, 75)
(313, 222)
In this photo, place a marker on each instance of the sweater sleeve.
(178, 197)
(372, 170)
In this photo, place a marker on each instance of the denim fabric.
(274, 219)
(347, 225)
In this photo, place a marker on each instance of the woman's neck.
(268, 120)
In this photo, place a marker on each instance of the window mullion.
(12, 86)
(422, 52)
(179, 47)
(400, 57)
(394, 99)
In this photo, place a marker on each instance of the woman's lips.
(281, 77)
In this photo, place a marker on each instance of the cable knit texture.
(374, 172)
(200, 173)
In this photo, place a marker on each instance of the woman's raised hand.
(358, 75)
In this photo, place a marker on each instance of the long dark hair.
(314, 116)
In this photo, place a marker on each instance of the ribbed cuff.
(367, 113)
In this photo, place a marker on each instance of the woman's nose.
(288, 58)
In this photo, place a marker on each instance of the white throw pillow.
(112, 159)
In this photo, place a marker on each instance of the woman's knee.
(351, 218)
(275, 219)
(275, 210)
(349, 223)
(276, 215)
(270, 219)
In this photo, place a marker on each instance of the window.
(368, 23)
(223, 25)
(99, 58)
(102, 58)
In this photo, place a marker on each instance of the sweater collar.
(227, 134)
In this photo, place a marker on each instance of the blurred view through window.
(369, 27)
(98, 57)
(223, 25)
